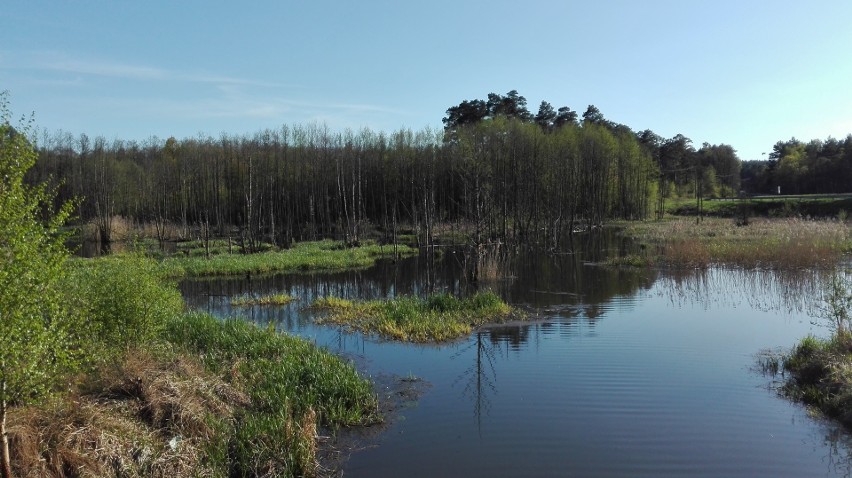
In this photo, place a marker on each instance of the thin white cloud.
(113, 70)
(57, 62)
(212, 99)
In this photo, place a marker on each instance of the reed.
(437, 318)
(764, 243)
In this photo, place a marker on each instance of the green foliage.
(821, 375)
(630, 260)
(36, 328)
(126, 299)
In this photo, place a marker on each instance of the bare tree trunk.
(5, 465)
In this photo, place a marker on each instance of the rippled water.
(623, 372)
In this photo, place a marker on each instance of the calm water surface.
(624, 372)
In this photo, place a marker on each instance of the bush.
(124, 300)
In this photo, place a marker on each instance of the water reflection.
(788, 292)
(652, 363)
(480, 378)
(838, 458)
(547, 285)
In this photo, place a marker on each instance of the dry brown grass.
(123, 229)
(770, 243)
(144, 417)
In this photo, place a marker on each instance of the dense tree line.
(507, 173)
(816, 167)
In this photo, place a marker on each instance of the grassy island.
(317, 256)
(437, 318)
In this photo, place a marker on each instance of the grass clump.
(437, 318)
(294, 388)
(821, 369)
(303, 257)
(282, 369)
(246, 300)
(821, 375)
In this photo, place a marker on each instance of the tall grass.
(303, 257)
(293, 385)
(281, 368)
(769, 243)
(437, 318)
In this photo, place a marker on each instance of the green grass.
(303, 257)
(822, 206)
(821, 375)
(437, 318)
(196, 248)
(269, 299)
(280, 368)
(293, 386)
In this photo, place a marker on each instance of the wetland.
(616, 371)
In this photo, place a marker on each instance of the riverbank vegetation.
(820, 370)
(103, 372)
(436, 318)
(162, 392)
(763, 243)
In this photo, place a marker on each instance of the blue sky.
(744, 73)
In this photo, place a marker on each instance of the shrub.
(124, 300)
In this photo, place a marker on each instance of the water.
(623, 372)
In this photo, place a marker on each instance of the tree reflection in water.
(480, 378)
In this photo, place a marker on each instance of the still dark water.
(624, 373)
